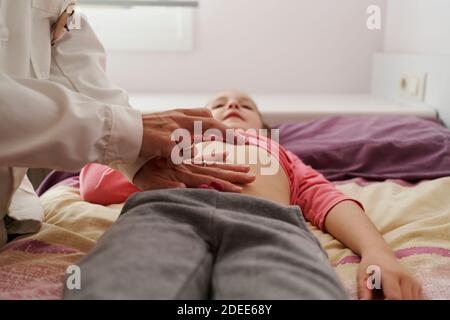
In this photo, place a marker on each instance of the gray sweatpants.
(203, 244)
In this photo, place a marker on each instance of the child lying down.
(240, 245)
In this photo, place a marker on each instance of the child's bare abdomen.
(271, 181)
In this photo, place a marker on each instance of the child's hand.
(396, 282)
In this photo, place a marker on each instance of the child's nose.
(234, 105)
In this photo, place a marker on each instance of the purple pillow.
(371, 147)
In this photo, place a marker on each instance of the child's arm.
(100, 184)
(348, 223)
(344, 218)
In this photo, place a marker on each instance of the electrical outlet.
(412, 86)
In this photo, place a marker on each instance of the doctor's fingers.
(196, 112)
(166, 123)
(192, 124)
(196, 180)
(161, 183)
(158, 183)
(230, 173)
(217, 160)
(197, 157)
(184, 174)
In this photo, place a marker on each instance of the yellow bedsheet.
(415, 220)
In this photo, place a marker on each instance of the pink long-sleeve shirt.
(315, 195)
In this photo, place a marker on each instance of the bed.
(404, 184)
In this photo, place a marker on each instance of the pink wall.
(418, 27)
(420, 31)
(263, 46)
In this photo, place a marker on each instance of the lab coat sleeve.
(81, 58)
(44, 124)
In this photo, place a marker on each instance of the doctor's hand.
(158, 128)
(160, 173)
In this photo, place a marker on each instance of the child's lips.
(234, 115)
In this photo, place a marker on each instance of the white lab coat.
(58, 109)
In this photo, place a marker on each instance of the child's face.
(236, 110)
